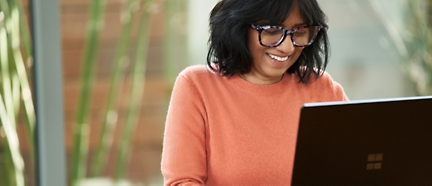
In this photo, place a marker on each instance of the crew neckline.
(268, 89)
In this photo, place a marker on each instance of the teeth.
(278, 58)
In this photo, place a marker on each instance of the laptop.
(374, 142)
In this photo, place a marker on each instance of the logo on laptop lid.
(374, 161)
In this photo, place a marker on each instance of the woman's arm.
(184, 147)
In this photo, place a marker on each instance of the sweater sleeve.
(337, 90)
(184, 151)
(326, 89)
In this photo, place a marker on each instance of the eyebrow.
(294, 26)
(299, 25)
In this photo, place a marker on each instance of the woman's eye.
(272, 31)
(301, 33)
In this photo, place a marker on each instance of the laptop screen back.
(377, 142)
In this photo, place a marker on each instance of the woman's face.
(269, 64)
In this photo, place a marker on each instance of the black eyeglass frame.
(286, 32)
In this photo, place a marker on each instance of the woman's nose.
(286, 46)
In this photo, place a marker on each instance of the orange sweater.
(226, 131)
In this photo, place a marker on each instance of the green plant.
(82, 127)
(16, 102)
(78, 164)
(413, 41)
(418, 43)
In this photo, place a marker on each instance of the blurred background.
(116, 89)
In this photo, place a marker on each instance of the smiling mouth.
(281, 59)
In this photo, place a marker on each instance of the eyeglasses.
(273, 36)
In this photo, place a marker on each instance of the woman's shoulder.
(196, 70)
(325, 85)
(323, 79)
(197, 73)
(315, 78)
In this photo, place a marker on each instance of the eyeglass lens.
(272, 36)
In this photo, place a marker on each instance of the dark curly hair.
(230, 19)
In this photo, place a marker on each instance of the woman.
(235, 121)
